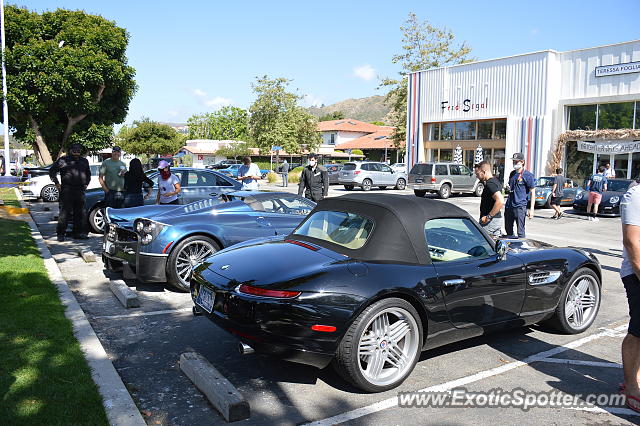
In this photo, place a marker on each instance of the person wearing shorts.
(597, 185)
(557, 192)
(630, 271)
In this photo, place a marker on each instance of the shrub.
(272, 177)
(294, 177)
(357, 151)
(297, 170)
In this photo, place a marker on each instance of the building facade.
(526, 103)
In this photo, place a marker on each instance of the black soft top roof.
(398, 233)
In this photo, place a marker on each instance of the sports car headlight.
(579, 196)
(614, 199)
(148, 230)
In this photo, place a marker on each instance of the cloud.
(365, 72)
(173, 113)
(215, 102)
(311, 100)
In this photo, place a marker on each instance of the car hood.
(268, 261)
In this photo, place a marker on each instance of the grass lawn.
(44, 378)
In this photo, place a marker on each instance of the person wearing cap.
(314, 180)
(522, 185)
(168, 185)
(75, 176)
(111, 177)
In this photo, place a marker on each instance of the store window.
(579, 165)
(637, 115)
(615, 116)
(465, 130)
(446, 132)
(635, 165)
(500, 129)
(446, 155)
(582, 117)
(485, 129)
(433, 132)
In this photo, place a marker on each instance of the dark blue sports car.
(163, 243)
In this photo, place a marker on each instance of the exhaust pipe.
(196, 311)
(245, 349)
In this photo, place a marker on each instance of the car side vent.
(546, 277)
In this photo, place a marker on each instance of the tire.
(574, 325)
(96, 220)
(382, 187)
(367, 184)
(263, 176)
(50, 194)
(348, 187)
(479, 189)
(179, 259)
(420, 192)
(348, 361)
(445, 191)
(401, 184)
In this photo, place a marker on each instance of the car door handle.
(451, 283)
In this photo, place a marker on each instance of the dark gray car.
(334, 172)
(443, 179)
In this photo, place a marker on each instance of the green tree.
(277, 120)
(67, 74)
(335, 115)
(235, 150)
(424, 46)
(150, 138)
(228, 123)
(377, 123)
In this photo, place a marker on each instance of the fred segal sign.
(626, 68)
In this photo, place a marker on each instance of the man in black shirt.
(75, 175)
(491, 201)
(557, 192)
(314, 180)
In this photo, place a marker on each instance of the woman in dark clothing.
(134, 181)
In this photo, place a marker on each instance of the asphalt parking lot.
(145, 344)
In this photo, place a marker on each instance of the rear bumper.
(424, 186)
(350, 182)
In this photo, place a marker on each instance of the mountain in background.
(368, 109)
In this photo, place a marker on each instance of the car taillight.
(433, 180)
(301, 244)
(357, 172)
(257, 291)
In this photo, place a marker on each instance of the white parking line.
(579, 362)
(393, 402)
(143, 314)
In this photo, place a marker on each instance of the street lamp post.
(5, 108)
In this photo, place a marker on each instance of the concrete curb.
(117, 402)
(219, 391)
(124, 294)
(87, 255)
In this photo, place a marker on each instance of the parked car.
(369, 282)
(196, 184)
(399, 167)
(223, 164)
(544, 185)
(42, 186)
(334, 172)
(162, 243)
(443, 179)
(610, 204)
(367, 174)
(29, 172)
(232, 171)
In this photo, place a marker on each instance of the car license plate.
(205, 299)
(418, 180)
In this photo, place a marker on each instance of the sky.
(193, 57)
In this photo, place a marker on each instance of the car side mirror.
(501, 249)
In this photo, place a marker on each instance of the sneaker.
(595, 219)
(590, 218)
(61, 238)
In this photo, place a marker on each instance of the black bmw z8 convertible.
(367, 282)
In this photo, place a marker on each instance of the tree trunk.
(75, 120)
(39, 146)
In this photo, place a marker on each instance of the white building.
(204, 151)
(533, 103)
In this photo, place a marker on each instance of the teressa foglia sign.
(625, 68)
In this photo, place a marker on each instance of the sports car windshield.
(545, 181)
(618, 185)
(346, 229)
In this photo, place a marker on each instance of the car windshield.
(618, 185)
(545, 181)
(346, 229)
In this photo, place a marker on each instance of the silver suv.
(443, 178)
(367, 174)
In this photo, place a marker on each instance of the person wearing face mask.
(314, 180)
(522, 186)
(75, 175)
(168, 185)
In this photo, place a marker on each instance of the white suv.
(367, 174)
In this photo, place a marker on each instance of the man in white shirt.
(609, 172)
(630, 273)
(248, 174)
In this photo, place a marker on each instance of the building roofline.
(525, 54)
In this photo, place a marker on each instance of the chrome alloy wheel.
(581, 304)
(98, 219)
(50, 193)
(388, 346)
(190, 255)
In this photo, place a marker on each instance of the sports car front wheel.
(579, 303)
(381, 347)
(188, 253)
